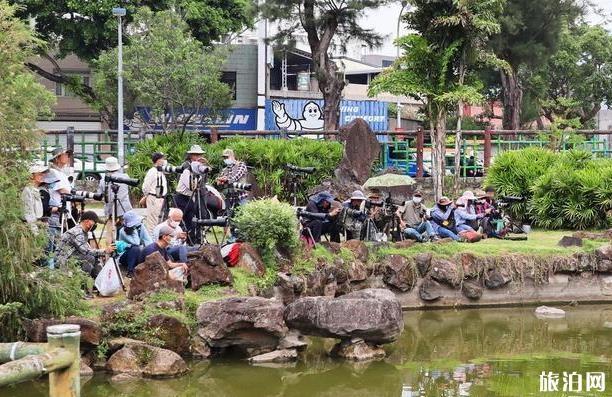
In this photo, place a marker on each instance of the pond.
(480, 352)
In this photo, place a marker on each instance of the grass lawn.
(538, 243)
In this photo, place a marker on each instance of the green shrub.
(513, 173)
(268, 225)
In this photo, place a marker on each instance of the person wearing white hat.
(154, 190)
(58, 183)
(353, 215)
(113, 168)
(30, 196)
(465, 213)
(235, 171)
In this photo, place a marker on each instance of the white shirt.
(151, 180)
(57, 181)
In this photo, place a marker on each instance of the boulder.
(250, 260)
(358, 248)
(374, 315)
(207, 267)
(549, 312)
(289, 287)
(36, 330)
(570, 241)
(117, 343)
(174, 333)
(146, 360)
(604, 252)
(357, 271)
(430, 290)
(152, 275)
(495, 278)
(398, 272)
(361, 150)
(471, 289)
(357, 350)
(423, 262)
(276, 356)
(250, 325)
(445, 271)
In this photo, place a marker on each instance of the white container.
(527, 228)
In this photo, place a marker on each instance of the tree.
(425, 72)
(87, 28)
(166, 70)
(577, 79)
(26, 291)
(529, 36)
(327, 24)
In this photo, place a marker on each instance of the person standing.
(190, 181)
(235, 171)
(413, 219)
(112, 190)
(31, 199)
(154, 189)
(57, 184)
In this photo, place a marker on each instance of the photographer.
(135, 237)
(30, 196)
(321, 203)
(443, 217)
(487, 205)
(57, 184)
(154, 189)
(188, 183)
(122, 194)
(235, 171)
(160, 245)
(465, 213)
(74, 244)
(413, 220)
(177, 249)
(353, 215)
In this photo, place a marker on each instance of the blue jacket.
(141, 238)
(464, 215)
(438, 216)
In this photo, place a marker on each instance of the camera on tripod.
(374, 203)
(220, 221)
(121, 179)
(170, 169)
(198, 168)
(72, 197)
(300, 170)
(238, 186)
(88, 195)
(301, 213)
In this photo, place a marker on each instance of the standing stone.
(208, 267)
(152, 275)
(399, 273)
(250, 260)
(361, 149)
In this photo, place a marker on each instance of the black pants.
(318, 228)
(187, 205)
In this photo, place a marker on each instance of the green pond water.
(484, 352)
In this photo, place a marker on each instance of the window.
(229, 78)
(386, 63)
(62, 90)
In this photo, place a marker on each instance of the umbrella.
(388, 181)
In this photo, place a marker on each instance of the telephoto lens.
(72, 197)
(221, 221)
(121, 179)
(240, 186)
(303, 170)
(88, 195)
(170, 169)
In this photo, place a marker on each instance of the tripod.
(114, 188)
(295, 180)
(65, 217)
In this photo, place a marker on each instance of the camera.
(220, 221)
(311, 215)
(88, 195)
(507, 200)
(238, 186)
(170, 169)
(72, 197)
(198, 168)
(121, 179)
(302, 170)
(353, 213)
(374, 203)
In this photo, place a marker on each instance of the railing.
(409, 151)
(59, 357)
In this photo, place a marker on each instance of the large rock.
(250, 260)
(430, 290)
(495, 278)
(374, 315)
(423, 262)
(152, 275)
(398, 272)
(361, 149)
(357, 350)
(36, 330)
(174, 333)
(446, 272)
(250, 326)
(208, 267)
(357, 271)
(358, 248)
(604, 252)
(471, 289)
(570, 241)
(146, 360)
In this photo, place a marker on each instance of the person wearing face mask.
(443, 218)
(74, 245)
(112, 166)
(135, 237)
(323, 203)
(178, 249)
(413, 219)
(161, 245)
(57, 184)
(235, 171)
(31, 199)
(154, 189)
(465, 214)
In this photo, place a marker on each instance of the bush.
(268, 225)
(513, 173)
(267, 157)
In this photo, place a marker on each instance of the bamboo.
(32, 367)
(17, 350)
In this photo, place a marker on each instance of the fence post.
(70, 143)
(214, 134)
(420, 142)
(487, 148)
(65, 382)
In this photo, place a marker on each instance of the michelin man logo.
(312, 117)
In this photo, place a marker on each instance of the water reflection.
(494, 352)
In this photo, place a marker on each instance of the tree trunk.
(331, 87)
(458, 134)
(512, 99)
(438, 154)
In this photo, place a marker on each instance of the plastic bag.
(108, 282)
(177, 274)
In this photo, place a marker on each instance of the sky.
(381, 21)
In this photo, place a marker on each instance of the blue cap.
(131, 219)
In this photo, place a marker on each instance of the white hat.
(38, 167)
(468, 195)
(195, 149)
(111, 164)
(228, 152)
(358, 195)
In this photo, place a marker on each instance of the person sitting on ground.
(235, 171)
(413, 219)
(161, 245)
(465, 213)
(487, 205)
(353, 220)
(321, 203)
(135, 237)
(74, 244)
(443, 219)
(178, 249)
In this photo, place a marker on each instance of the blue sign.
(307, 115)
(231, 119)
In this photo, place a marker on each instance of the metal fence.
(408, 151)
